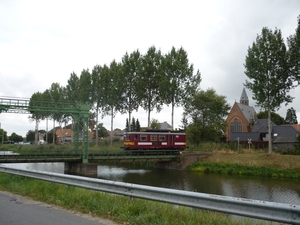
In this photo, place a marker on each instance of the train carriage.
(154, 140)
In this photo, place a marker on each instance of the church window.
(236, 126)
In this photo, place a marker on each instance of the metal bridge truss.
(78, 111)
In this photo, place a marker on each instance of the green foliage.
(291, 117)
(178, 80)
(130, 69)
(275, 118)
(267, 68)
(206, 110)
(102, 131)
(134, 126)
(149, 78)
(3, 135)
(155, 125)
(15, 138)
(30, 136)
(294, 54)
(237, 169)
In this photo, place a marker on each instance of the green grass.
(237, 169)
(121, 209)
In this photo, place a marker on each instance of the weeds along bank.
(250, 162)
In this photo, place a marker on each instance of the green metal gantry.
(78, 111)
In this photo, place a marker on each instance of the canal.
(259, 188)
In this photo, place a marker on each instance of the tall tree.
(294, 54)
(85, 87)
(266, 67)
(97, 94)
(36, 103)
(56, 94)
(179, 81)
(206, 110)
(291, 117)
(149, 80)
(111, 87)
(130, 69)
(137, 126)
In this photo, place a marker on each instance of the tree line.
(148, 81)
(154, 79)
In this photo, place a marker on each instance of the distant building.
(243, 126)
(66, 135)
(165, 126)
(241, 116)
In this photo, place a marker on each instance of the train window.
(153, 138)
(127, 137)
(143, 137)
(162, 137)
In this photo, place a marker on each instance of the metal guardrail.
(278, 212)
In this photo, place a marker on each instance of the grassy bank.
(120, 209)
(249, 162)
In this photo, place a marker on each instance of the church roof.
(247, 111)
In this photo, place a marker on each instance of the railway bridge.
(57, 109)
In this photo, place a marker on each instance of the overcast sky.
(42, 42)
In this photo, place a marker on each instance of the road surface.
(18, 210)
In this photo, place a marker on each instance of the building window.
(236, 126)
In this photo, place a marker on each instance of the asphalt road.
(18, 210)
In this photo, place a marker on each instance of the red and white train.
(152, 140)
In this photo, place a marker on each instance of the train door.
(135, 140)
(170, 141)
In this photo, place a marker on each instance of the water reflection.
(48, 167)
(8, 153)
(265, 189)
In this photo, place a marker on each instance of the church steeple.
(244, 98)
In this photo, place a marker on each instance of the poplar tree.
(130, 69)
(178, 81)
(267, 69)
(294, 54)
(149, 79)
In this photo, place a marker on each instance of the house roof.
(245, 136)
(261, 125)
(165, 126)
(284, 134)
(296, 126)
(247, 111)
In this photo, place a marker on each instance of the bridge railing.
(271, 211)
(46, 155)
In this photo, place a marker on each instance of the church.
(241, 117)
(243, 125)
